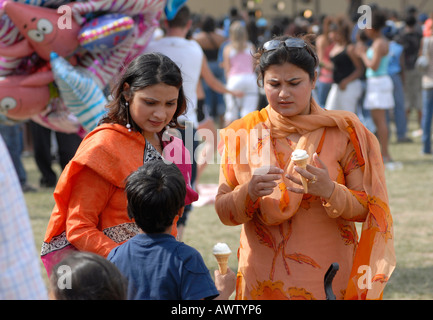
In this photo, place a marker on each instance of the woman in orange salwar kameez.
(290, 237)
(90, 212)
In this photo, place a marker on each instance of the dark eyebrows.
(33, 19)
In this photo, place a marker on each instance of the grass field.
(411, 200)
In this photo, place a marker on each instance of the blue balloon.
(79, 92)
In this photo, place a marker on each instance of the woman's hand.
(319, 182)
(263, 182)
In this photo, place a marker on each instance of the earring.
(128, 125)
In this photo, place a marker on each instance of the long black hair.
(144, 71)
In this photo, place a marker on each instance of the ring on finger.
(312, 181)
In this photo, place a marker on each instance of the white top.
(241, 62)
(188, 55)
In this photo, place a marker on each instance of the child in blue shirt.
(157, 266)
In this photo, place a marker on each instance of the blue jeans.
(399, 109)
(13, 138)
(214, 100)
(427, 115)
(322, 90)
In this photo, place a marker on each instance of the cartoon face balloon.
(43, 31)
(25, 95)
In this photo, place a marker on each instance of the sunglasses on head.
(288, 43)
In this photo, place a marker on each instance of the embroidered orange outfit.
(90, 212)
(289, 240)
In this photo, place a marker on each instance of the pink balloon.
(44, 29)
(25, 95)
(130, 7)
(57, 117)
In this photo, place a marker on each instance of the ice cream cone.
(303, 164)
(222, 260)
(222, 253)
(300, 157)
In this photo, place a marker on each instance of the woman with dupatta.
(90, 212)
(290, 236)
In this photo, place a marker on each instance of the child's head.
(156, 194)
(87, 276)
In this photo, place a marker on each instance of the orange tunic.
(90, 211)
(288, 241)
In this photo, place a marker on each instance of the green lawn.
(410, 192)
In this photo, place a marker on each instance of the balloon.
(22, 96)
(129, 7)
(83, 65)
(172, 7)
(104, 66)
(57, 117)
(9, 33)
(42, 32)
(105, 32)
(8, 65)
(79, 92)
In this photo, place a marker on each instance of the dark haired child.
(157, 266)
(86, 276)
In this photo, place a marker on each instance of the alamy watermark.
(64, 280)
(364, 21)
(65, 21)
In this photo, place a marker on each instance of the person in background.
(13, 137)
(379, 95)
(156, 265)
(290, 236)
(396, 72)
(240, 74)
(210, 41)
(67, 144)
(87, 276)
(411, 38)
(90, 202)
(324, 44)
(346, 91)
(20, 272)
(427, 97)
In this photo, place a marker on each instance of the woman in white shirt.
(238, 65)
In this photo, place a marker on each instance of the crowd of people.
(325, 85)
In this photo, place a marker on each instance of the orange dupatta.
(374, 259)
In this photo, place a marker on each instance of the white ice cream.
(299, 154)
(221, 248)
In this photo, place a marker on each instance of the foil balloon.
(79, 92)
(104, 66)
(172, 7)
(8, 65)
(57, 117)
(41, 30)
(22, 96)
(105, 32)
(129, 7)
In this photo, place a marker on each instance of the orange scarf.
(374, 260)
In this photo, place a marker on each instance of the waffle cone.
(222, 259)
(303, 164)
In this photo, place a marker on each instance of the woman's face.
(153, 107)
(288, 89)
